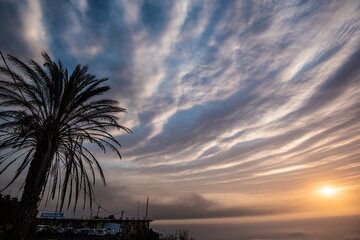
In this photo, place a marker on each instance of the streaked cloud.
(241, 97)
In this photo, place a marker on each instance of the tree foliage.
(43, 108)
(180, 234)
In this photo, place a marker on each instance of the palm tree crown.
(47, 117)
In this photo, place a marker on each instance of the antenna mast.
(147, 208)
(137, 214)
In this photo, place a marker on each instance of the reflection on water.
(334, 228)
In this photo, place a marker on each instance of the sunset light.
(191, 119)
(328, 191)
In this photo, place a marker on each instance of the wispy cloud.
(223, 96)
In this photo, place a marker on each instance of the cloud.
(195, 206)
(346, 76)
(352, 237)
(117, 198)
(12, 39)
(300, 235)
(33, 30)
(221, 96)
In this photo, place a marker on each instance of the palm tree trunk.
(34, 185)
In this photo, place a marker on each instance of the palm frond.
(42, 107)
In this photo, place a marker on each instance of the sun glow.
(328, 191)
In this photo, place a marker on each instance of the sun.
(328, 191)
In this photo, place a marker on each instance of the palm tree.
(48, 118)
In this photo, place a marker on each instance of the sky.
(241, 111)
